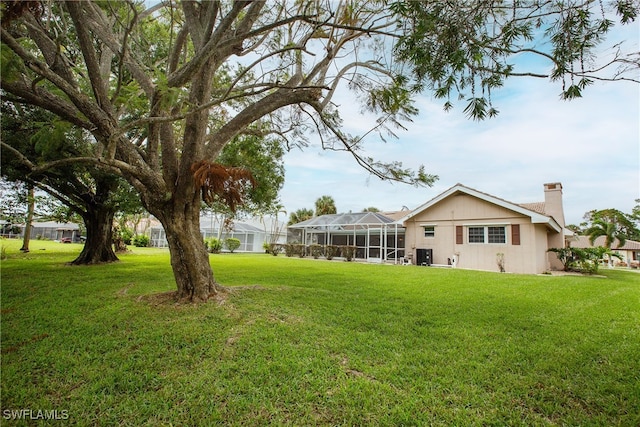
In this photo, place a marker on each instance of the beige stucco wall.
(556, 240)
(464, 210)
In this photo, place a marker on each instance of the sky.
(590, 145)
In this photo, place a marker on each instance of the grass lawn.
(306, 342)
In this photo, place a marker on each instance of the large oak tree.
(163, 90)
(33, 136)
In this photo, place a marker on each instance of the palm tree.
(300, 215)
(325, 205)
(609, 229)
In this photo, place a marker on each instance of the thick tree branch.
(35, 95)
(99, 25)
(270, 103)
(91, 60)
(51, 50)
(205, 50)
(83, 103)
(21, 157)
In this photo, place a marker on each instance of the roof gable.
(536, 217)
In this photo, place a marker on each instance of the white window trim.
(485, 224)
(486, 233)
(424, 227)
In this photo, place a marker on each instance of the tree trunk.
(30, 210)
(118, 242)
(189, 257)
(98, 248)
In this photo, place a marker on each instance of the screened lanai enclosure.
(377, 238)
(251, 232)
(248, 235)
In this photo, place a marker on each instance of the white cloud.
(590, 145)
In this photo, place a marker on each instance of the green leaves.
(394, 99)
(455, 46)
(395, 171)
(575, 91)
(263, 156)
(479, 109)
(584, 260)
(627, 10)
(51, 141)
(11, 66)
(611, 224)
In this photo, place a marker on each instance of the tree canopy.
(164, 88)
(263, 158)
(614, 225)
(33, 136)
(300, 215)
(325, 205)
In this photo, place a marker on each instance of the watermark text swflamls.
(35, 414)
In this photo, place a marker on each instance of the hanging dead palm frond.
(228, 184)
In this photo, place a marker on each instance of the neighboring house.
(10, 230)
(630, 251)
(49, 230)
(55, 231)
(461, 227)
(251, 232)
(466, 228)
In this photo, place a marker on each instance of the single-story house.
(461, 227)
(467, 228)
(48, 230)
(252, 232)
(10, 230)
(629, 252)
(52, 230)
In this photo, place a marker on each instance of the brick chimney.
(553, 202)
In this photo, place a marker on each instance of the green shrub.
(289, 249)
(301, 250)
(232, 243)
(566, 256)
(331, 251)
(588, 266)
(315, 251)
(584, 260)
(141, 241)
(126, 235)
(349, 252)
(273, 248)
(214, 245)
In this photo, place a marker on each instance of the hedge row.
(316, 251)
